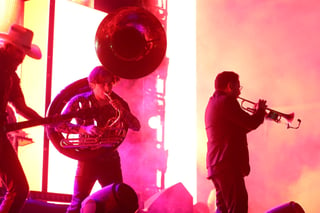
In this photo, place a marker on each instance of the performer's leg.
(220, 203)
(232, 191)
(83, 183)
(13, 177)
(110, 172)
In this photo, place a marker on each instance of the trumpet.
(271, 113)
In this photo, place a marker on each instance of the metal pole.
(48, 94)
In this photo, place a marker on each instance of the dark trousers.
(106, 171)
(231, 193)
(13, 177)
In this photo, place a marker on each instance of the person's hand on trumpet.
(261, 105)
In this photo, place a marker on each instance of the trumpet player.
(227, 126)
(106, 169)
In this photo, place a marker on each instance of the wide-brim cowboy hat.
(22, 38)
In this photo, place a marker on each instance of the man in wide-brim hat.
(14, 45)
(21, 38)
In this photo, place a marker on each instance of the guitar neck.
(26, 124)
(44, 121)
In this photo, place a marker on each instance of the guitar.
(47, 120)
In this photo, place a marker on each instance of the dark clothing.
(227, 155)
(13, 48)
(86, 101)
(9, 90)
(106, 168)
(13, 177)
(231, 192)
(11, 171)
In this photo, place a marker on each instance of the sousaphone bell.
(131, 42)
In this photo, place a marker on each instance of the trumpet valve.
(272, 115)
(276, 116)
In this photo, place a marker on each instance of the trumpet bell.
(289, 117)
(131, 42)
(276, 116)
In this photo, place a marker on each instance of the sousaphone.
(129, 42)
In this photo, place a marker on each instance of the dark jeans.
(231, 192)
(106, 171)
(13, 177)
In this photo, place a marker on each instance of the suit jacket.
(227, 126)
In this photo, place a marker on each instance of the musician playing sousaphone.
(111, 114)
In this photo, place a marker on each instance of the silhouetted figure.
(227, 126)
(13, 48)
(112, 111)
